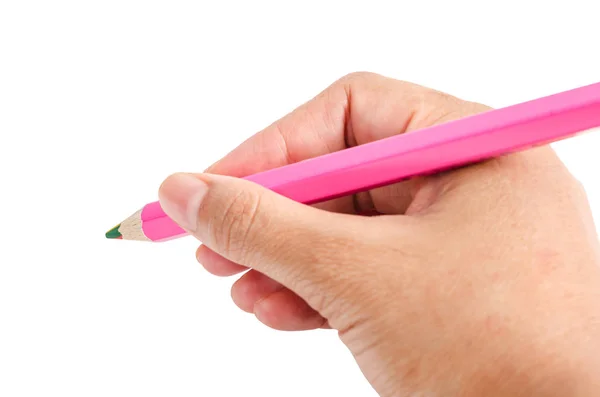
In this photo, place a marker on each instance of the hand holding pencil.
(479, 281)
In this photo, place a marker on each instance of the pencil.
(426, 151)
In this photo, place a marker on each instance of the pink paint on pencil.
(422, 152)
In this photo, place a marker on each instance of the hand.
(483, 281)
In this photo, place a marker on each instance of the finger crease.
(348, 115)
(253, 218)
(260, 300)
(283, 146)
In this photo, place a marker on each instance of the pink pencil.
(430, 150)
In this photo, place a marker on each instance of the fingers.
(286, 311)
(273, 304)
(314, 129)
(251, 288)
(216, 264)
(357, 109)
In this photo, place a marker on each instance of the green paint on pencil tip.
(114, 232)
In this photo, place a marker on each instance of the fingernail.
(180, 197)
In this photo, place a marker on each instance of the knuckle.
(358, 78)
(450, 106)
(360, 75)
(233, 230)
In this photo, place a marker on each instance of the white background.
(100, 100)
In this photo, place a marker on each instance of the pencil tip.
(114, 232)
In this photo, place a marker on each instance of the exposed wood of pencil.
(129, 229)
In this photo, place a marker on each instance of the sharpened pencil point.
(114, 232)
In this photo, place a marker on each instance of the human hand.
(483, 281)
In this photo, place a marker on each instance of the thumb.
(292, 243)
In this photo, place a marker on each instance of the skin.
(483, 281)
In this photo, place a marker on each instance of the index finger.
(356, 109)
(314, 129)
